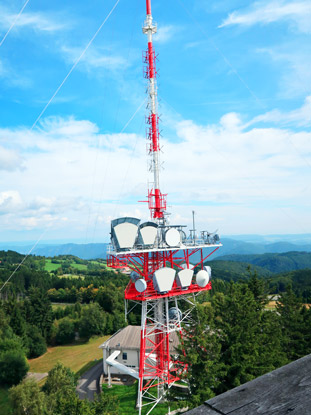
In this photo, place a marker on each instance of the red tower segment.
(148, 6)
(157, 202)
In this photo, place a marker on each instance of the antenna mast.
(156, 200)
(167, 267)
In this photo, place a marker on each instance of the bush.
(27, 398)
(92, 321)
(35, 342)
(60, 378)
(13, 367)
(66, 331)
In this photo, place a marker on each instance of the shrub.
(13, 367)
(35, 342)
(66, 331)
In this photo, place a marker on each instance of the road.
(88, 383)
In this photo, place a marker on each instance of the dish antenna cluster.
(167, 265)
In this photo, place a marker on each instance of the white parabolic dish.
(172, 237)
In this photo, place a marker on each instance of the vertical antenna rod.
(157, 201)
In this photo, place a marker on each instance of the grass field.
(55, 306)
(81, 267)
(51, 267)
(71, 276)
(5, 408)
(127, 397)
(74, 356)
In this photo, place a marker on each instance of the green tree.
(258, 287)
(66, 331)
(60, 389)
(232, 341)
(27, 399)
(105, 405)
(69, 404)
(13, 364)
(39, 311)
(9, 341)
(200, 350)
(60, 378)
(13, 367)
(293, 323)
(4, 320)
(17, 321)
(247, 350)
(36, 344)
(118, 321)
(92, 321)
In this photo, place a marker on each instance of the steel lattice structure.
(163, 262)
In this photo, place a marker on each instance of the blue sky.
(235, 103)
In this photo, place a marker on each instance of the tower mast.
(157, 201)
(167, 268)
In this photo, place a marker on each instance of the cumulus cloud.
(78, 178)
(36, 21)
(58, 127)
(299, 117)
(297, 13)
(10, 201)
(10, 160)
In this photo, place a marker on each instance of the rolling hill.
(274, 262)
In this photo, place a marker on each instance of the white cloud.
(31, 20)
(10, 201)
(165, 33)
(95, 58)
(10, 160)
(59, 127)
(299, 117)
(266, 12)
(77, 178)
(294, 60)
(12, 78)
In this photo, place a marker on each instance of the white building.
(122, 349)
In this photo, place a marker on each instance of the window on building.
(124, 356)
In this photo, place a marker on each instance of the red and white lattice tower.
(167, 267)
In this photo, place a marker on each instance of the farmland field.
(74, 356)
(50, 266)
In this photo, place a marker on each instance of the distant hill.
(233, 246)
(243, 245)
(230, 270)
(83, 251)
(300, 280)
(275, 263)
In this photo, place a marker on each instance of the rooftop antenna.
(193, 230)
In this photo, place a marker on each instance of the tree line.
(236, 338)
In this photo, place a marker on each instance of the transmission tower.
(167, 266)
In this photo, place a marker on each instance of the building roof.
(286, 390)
(129, 338)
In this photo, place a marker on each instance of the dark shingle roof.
(286, 390)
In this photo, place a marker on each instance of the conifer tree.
(39, 311)
(295, 325)
(200, 350)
